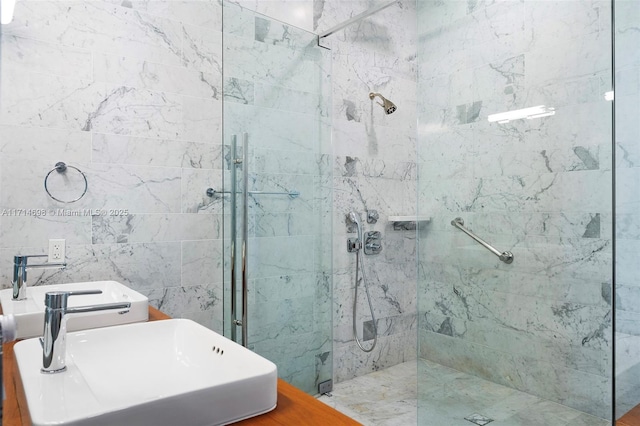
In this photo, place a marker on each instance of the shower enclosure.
(277, 194)
(535, 183)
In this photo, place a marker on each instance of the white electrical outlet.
(56, 251)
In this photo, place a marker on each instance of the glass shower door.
(277, 195)
(515, 138)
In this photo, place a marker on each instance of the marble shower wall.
(540, 188)
(627, 61)
(374, 168)
(130, 93)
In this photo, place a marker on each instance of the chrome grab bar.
(505, 256)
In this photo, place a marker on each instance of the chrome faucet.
(20, 269)
(55, 325)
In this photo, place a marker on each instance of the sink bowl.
(29, 313)
(161, 373)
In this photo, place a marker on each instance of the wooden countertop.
(294, 406)
(632, 418)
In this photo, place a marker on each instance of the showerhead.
(389, 107)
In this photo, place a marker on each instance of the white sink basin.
(29, 313)
(161, 373)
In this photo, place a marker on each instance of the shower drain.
(478, 419)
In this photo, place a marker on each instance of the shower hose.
(360, 265)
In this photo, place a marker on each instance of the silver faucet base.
(59, 370)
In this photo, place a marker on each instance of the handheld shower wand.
(353, 217)
(357, 247)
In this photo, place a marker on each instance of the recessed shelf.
(413, 218)
(407, 223)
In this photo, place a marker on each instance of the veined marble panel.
(201, 120)
(293, 69)
(267, 96)
(22, 55)
(33, 231)
(628, 128)
(269, 224)
(562, 225)
(279, 34)
(627, 197)
(110, 187)
(296, 357)
(154, 228)
(291, 131)
(202, 49)
(210, 318)
(561, 289)
(239, 91)
(238, 20)
(628, 226)
(627, 252)
(199, 298)
(266, 160)
(202, 262)
(589, 392)
(273, 289)
(99, 26)
(194, 12)
(305, 202)
(46, 100)
(548, 192)
(195, 183)
(274, 256)
(350, 361)
(362, 140)
(570, 20)
(143, 267)
(141, 74)
(45, 143)
(546, 62)
(287, 317)
(298, 13)
(138, 112)
(120, 149)
(374, 168)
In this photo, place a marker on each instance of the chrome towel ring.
(61, 167)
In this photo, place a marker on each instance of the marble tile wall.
(627, 61)
(540, 188)
(130, 93)
(374, 168)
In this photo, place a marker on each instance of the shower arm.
(356, 18)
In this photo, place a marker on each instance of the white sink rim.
(29, 313)
(101, 398)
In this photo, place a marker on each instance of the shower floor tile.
(389, 398)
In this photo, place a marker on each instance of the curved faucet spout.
(55, 325)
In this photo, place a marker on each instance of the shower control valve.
(372, 242)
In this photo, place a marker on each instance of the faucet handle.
(58, 299)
